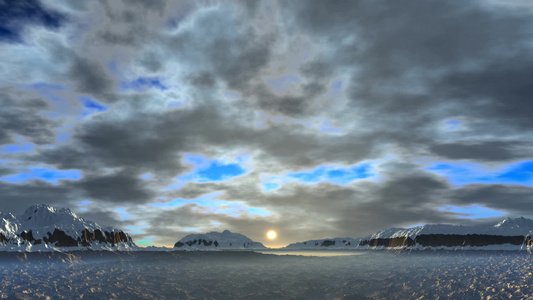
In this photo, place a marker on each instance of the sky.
(315, 119)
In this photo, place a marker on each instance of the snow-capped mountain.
(45, 228)
(335, 243)
(217, 240)
(507, 234)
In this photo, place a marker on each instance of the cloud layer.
(317, 119)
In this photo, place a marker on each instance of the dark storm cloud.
(297, 104)
(395, 37)
(410, 59)
(140, 142)
(184, 216)
(501, 92)
(16, 15)
(153, 63)
(137, 23)
(154, 142)
(151, 143)
(91, 78)
(105, 218)
(6, 171)
(495, 150)
(16, 198)
(217, 42)
(21, 115)
(514, 199)
(157, 5)
(120, 187)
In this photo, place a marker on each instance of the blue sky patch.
(82, 205)
(327, 126)
(147, 241)
(121, 211)
(136, 229)
(204, 200)
(206, 169)
(17, 148)
(192, 229)
(90, 106)
(451, 125)
(47, 86)
(270, 186)
(218, 171)
(473, 211)
(48, 175)
(467, 173)
(336, 174)
(337, 85)
(209, 203)
(143, 83)
(146, 176)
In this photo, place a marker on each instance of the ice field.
(250, 275)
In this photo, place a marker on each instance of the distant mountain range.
(509, 234)
(217, 240)
(334, 243)
(45, 228)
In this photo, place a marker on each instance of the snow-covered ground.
(249, 275)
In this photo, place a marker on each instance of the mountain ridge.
(217, 240)
(508, 234)
(45, 228)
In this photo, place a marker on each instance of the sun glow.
(271, 234)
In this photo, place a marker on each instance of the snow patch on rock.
(45, 228)
(217, 241)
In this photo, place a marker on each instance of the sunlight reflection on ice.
(311, 252)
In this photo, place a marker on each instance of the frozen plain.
(251, 275)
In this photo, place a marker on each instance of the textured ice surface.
(249, 275)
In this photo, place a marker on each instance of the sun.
(271, 235)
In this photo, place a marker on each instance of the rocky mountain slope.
(334, 243)
(45, 228)
(509, 234)
(217, 240)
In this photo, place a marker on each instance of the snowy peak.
(507, 227)
(43, 216)
(217, 240)
(333, 243)
(45, 228)
(507, 234)
(516, 224)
